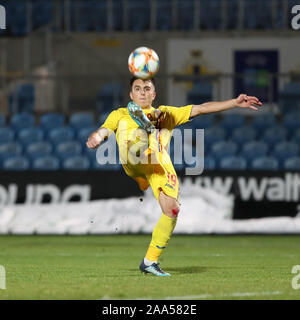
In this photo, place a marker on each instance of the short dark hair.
(136, 78)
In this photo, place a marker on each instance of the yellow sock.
(160, 237)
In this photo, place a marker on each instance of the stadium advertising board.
(256, 193)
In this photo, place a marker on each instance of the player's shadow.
(183, 270)
(187, 270)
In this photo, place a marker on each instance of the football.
(143, 63)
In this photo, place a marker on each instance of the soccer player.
(155, 168)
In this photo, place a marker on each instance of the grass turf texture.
(106, 267)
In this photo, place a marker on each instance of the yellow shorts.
(161, 175)
(166, 180)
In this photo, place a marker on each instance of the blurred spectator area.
(135, 15)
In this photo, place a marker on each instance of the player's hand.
(245, 101)
(94, 140)
(157, 117)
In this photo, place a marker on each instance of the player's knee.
(174, 210)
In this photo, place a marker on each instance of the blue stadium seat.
(232, 121)
(22, 120)
(7, 134)
(243, 135)
(285, 150)
(110, 97)
(80, 120)
(289, 97)
(10, 149)
(68, 149)
(204, 122)
(50, 121)
(80, 162)
(233, 163)
(296, 136)
(84, 133)
(209, 163)
(265, 163)
(102, 117)
(49, 162)
(107, 166)
(253, 150)
(16, 163)
(200, 93)
(263, 121)
(274, 135)
(291, 122)
(213, 135)
(2, 120)
(30, 135)
(223, 149)
(38, 149)
(292, 163)
(61, 134)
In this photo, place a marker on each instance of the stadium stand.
(254, 149)
(51, 121)
(79, 162)
(10, 149)
(285, 150)
(92, 15)
(22, 120)
(7, 134)
(48, 162)
(223, 149)
(68, 149)
(292, 164)
(61, 134)
(2, 120)
(16, 163)
(80, 120)
(35, 150)
(265, 163)
(243, 135)
(30, 135)
(233, 163)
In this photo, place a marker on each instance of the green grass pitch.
(106, 267)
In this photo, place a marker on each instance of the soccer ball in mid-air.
(143, 63)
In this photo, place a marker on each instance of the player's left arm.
(242, 101)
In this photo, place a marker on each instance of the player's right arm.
(109, 126)
(96, 138)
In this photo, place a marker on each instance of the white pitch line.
(224, 295)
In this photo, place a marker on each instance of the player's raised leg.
(161, 235)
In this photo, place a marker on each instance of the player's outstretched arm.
(96, 138)
(242, 101)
